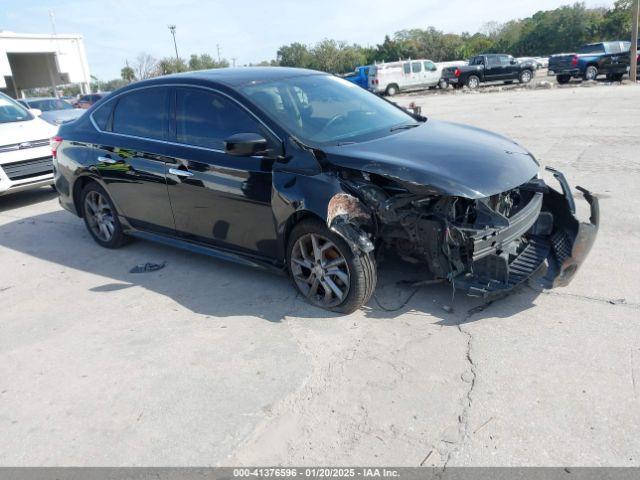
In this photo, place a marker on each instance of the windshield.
(326, 109)
(12, 111)
(49, 104)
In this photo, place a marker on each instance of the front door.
(219, 199)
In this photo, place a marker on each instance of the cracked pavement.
(209, 363)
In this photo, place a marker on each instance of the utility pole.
(635, 13)
(233, 59)
(172, 29)
(53, 69)
(218, 49)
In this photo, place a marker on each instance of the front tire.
(326, 271)
(563, 79)
(101, 218)
(526, 76)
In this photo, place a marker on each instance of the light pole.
(172, 29)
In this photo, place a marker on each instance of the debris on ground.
(147, 267)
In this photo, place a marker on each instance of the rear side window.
(416, 67)
(143, 113)
(430, 66)
(592, 49)
(206, 119)
(102, 116)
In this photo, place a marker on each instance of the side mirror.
(36, 112)
(513, 61)
(245, 144)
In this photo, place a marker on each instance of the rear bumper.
(551, 237)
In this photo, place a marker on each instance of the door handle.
(107, 160)
(180, 173)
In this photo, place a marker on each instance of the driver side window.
(206, 119)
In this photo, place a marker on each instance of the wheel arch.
(78, 186)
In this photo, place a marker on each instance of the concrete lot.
(209, 363)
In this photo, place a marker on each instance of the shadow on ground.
(27, 197)
(213, 287)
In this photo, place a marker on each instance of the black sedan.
(306, 173)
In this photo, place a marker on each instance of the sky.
(249, 30)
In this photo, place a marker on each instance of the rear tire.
(473, 82)
(320, 263)
(563, 79)
(591, 73)
(443, 84)
(100, 217)
(391, 90)
(615, 77)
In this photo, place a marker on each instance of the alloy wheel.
(526, 77)
(99, 216)
(320, 270)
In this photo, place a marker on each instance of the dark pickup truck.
(603, 58)
(493, 67)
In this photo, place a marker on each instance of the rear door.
(493, 69)
(131, 156)
(431, 73)
(219, 199)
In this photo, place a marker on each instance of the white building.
(40, 60)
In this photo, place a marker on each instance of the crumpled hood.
(58, 117)
(454, 159)
(26, 131)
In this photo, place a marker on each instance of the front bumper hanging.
(554, 237)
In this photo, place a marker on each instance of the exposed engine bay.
(483, 246)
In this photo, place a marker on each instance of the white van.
(393, 77)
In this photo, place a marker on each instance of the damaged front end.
(484, 246)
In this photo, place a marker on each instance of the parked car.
(489, 68)
(54, 110)
(393, 77)
(536, 62)
(25, 156)
(85, 101)
(542, 61)
(360, 77)
(306, 173)
(590, 61)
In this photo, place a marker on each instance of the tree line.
(546, 32)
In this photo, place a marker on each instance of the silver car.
(54, 110)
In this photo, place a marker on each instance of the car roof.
(235, 77)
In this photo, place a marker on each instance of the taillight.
(55, 142)
(574, 61)
(457, 72)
